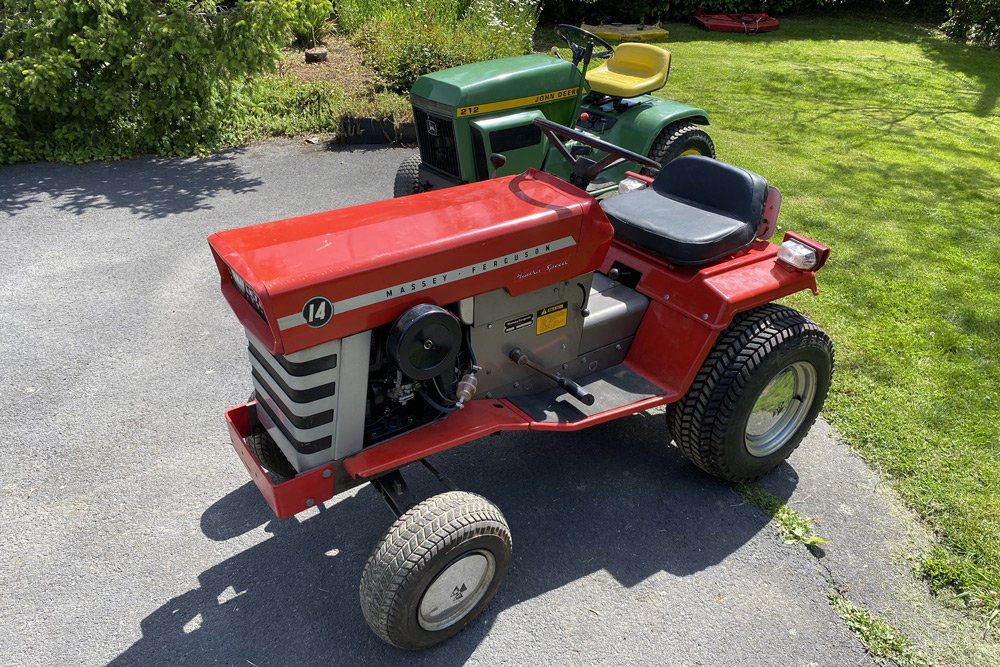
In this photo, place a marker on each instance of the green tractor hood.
(499, 85)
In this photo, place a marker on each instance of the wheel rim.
(456, 590)
(691, 151)
(780, 409)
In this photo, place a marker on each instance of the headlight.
(797, 255)
(247, 293)
(628, 184)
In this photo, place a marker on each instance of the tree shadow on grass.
(975, 62)
(150, 188)
(613, 498)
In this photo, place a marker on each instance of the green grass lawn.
(884, 139)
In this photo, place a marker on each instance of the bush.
(404, 40)
(650, 11)
(601, 11)
(310, 23)
(111, 78)
(268, 106)
(977, 21)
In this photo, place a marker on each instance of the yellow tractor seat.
(632, 70)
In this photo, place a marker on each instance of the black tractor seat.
(698, 210)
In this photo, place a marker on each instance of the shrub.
(311, 21)
(977, 21)
(404, 40)
(111, 78)
(600, 11)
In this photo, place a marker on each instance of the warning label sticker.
(518, 323)
(551, 318)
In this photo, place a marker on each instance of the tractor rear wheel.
(435, 570)
(407, 177)
(677, 139)
(756, 396)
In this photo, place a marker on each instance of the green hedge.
(977, 21)
(111, 78)
(404, 39)
(598, 11)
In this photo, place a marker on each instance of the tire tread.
(415, 539)
(699, 420)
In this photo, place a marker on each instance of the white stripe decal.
(421, 284)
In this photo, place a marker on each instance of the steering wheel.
(565, 31)
(584, 169)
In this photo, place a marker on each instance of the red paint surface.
(356, 250)
(690, 306)
(286, 498)
(476, 419)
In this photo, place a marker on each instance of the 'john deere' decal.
(531, 100)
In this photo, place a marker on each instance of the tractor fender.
(639, 125)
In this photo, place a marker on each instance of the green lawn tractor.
(475, 121)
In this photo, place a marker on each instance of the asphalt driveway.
(132, 535)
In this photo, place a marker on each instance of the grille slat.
(438, 148)
(297, 398)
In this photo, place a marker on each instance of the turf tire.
(709, 422)
(677, 138)
(418, 547)
(407, 177)
(270, 457)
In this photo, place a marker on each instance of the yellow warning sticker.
(542, 98)
(551, 318)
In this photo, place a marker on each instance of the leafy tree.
(110, 78)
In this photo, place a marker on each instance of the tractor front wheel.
(756, 396)
(677, 139)
(407, 178)
(266, 451)
(435, 570)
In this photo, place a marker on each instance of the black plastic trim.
(301, 447)
(309, 421)
(297, 395)
(304, 368)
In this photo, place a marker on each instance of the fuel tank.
(301, 282)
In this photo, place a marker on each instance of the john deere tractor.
(476, 121)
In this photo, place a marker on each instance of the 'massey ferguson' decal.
(420, 284)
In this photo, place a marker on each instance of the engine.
(421, 368)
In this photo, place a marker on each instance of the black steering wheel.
(565, 31)
(584, 169)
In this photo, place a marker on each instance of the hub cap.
(456, 591)
(780, 409)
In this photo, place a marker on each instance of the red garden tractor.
(382, 334)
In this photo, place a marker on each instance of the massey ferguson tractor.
(384, 333)
(465, 114)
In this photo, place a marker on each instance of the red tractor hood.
(321, 277)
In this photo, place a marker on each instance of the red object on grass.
(748, 22)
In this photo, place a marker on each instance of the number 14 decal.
(317, 311)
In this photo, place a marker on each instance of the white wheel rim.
(780, 409)
(456, 590)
